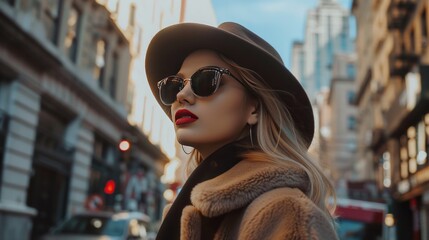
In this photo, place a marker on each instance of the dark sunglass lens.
(204, 82)
(169, 89)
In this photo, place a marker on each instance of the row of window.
(53, 12)
(413, 147)
(411, 153)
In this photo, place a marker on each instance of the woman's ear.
(253, 117)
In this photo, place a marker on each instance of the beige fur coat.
(259, 201)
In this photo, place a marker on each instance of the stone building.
(393, 106)
(337, 120)
(64, 71)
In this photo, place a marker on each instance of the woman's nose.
(186, 93)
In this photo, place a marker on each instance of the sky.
(279, 22)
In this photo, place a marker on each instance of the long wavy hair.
(277, 140)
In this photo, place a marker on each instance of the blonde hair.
(278, 140)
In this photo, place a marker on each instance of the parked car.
(102, 226)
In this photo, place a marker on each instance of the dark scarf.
(217, 163)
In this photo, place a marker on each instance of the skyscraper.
(326, 33)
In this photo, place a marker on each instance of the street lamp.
(389, 220)
(124, 145)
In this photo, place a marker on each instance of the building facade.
(338, 124)
(297, 59)
(393, 105)
(64, 71)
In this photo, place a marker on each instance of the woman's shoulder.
(287, 213)
(288, 198)
(284, 197)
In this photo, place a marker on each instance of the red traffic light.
(109, 188)
(124, 145)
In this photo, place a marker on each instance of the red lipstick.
(184, 116)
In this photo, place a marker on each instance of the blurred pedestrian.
(250, 123)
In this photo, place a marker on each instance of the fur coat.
(249, 199)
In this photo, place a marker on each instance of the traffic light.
(109, 188)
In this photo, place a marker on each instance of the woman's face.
(218, 119)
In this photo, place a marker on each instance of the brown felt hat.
(170, 46)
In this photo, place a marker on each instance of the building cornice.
(31, 51)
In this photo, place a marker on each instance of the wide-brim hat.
(170, 46)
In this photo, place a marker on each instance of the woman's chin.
(185, 141)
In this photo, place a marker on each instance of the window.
(351, 71)
(51, 15)
(403, 154)
(414, 147)
(72, 35)
(330, 44)
(104, 151)
(351, 95)
(104, 165)
(351, 145)
(412, 41)
(421, 156)
(351, 123)
(51, 131)
(114, 78)
(425, 142)
(100, 61)
(424, 30)
(317, 66)
(344, 41)
(4, 125)
(344, 35)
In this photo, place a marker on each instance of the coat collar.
(244, 182)
(214, 165)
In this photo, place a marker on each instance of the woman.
(250, 123)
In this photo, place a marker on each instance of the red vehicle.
(359, 219)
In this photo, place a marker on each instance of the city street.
(86, 152)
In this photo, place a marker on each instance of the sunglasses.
(204, 82)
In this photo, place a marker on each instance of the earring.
(251, 135)
(187, 153)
